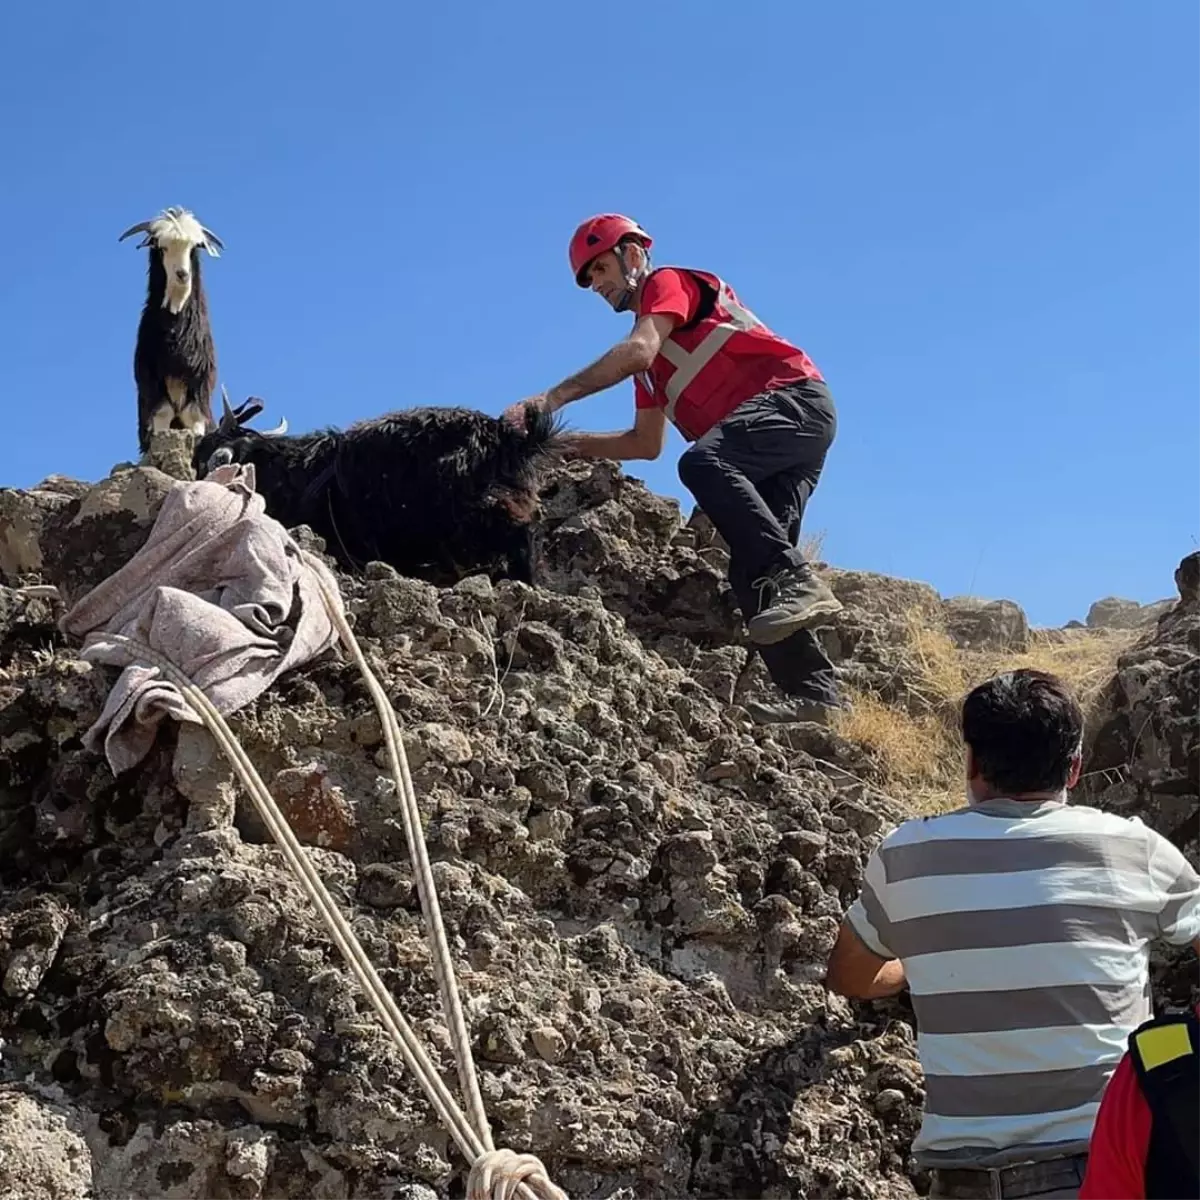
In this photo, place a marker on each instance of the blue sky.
(980, 219)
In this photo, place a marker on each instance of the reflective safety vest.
(1166, 1058)
(720, 358)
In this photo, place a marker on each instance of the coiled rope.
(494, 1174)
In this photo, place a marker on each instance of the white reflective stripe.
(689, 363)
(741, 316)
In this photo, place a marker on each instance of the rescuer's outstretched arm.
(629, 356)
(645, 440)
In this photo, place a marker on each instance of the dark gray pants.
(753, 474)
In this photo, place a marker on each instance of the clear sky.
(980, 219)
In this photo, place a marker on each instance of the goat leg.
(156, 420)
(192, 417)
(522, 554)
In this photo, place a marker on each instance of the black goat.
(174, 362)
(438, 493)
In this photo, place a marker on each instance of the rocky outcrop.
(986, 624)
(45, 1151)
(24, 517)
(640, 887)
(1113, 612)
(1143, 755)
(1143, 751)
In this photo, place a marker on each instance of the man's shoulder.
(970, 822)
(686, 276)
(1098, 820)
(928, 825)
(667, 280)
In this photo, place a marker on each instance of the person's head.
(1023, 732)
(611, 255)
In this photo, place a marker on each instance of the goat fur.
(438, 493)
(175, 359)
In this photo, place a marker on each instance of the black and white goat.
(175, 362)
(438, 493)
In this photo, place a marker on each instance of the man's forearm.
(857, 971)
(623, 360)
(619, 446)
(889, 980)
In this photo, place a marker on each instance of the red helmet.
(598, 234)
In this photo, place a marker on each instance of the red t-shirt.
(675, 293)
(671, 292)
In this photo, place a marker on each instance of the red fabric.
(670, 292)
(752, 361)
(1120, 1139)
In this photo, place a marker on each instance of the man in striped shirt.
(1022, 927)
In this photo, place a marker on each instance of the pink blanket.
(220, 589)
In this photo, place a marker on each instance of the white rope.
(496, 1174)
(443, 968)
(501, 1174)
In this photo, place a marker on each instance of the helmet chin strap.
(624, 299)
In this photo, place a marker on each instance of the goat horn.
(278, 431)
(229, 421)
(248, 409)
(140, 227)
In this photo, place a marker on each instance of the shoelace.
(765, 585)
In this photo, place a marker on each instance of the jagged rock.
(885, 596)
(1146, 738)
(87, 539)
(171, 451)
(986, 624)
(29, 618)
(30, 936)
(1143, 754)
(1114, 612)
(43, 1154)
(23, 519)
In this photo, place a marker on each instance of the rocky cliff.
(1144, 748)
(640, 885)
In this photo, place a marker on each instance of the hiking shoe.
(797, 599)
(791, 710)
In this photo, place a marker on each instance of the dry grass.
(920, 755)
(915, 755)
(810, 545)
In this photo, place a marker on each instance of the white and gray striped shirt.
(1025, 931)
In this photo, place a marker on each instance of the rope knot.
(499, 1174)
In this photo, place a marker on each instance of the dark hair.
(1023, 728)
